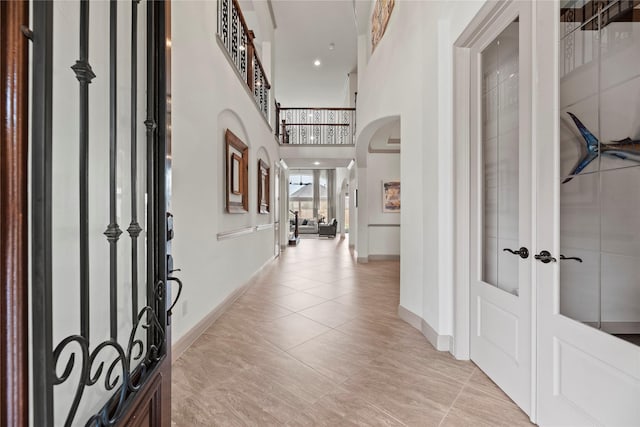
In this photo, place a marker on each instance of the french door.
(101, 340)
(587, 176)
(501, 194)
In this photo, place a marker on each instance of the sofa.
(328, 229)
(307, 226)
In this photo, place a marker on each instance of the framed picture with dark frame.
(237, 171)
(263, 187)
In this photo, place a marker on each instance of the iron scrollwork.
(91, 371)
(119, 368)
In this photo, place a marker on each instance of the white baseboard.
(439, 342)
(384, 257)
(185, 341)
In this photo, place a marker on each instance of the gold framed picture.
(236, 170)
(263, 187)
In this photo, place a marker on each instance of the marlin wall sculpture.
(625, 149)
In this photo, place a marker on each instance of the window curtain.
(316, 192)
(331, 194)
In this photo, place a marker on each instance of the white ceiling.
(310, 163)
(305, 28)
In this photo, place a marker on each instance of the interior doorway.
(584, 369)
(500, 221)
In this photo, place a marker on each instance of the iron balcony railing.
(237, 38)
(316, 126)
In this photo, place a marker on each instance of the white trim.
(384, 257)
(232, 234)
(462, 192)
(439, 342)
(272, 15)
(194, 333)
(224, 235)
(187, 340)
(261, 227)
(410, 317)
(384, 150)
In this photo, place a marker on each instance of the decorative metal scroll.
(120, 368)
(318, 126)
(91, 369)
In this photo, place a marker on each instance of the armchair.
(329, 229)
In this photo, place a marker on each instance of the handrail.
(266, 80)
(318, 124)
(238, 41)
(315, 125)
(245, 27)
(317, 108)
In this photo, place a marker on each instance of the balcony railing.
(316, 126)
(238, 40)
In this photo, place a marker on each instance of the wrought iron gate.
(99, 164)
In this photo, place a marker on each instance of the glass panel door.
(500, 153)
(600, 166)
(500, 225)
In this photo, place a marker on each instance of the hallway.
(315, 340)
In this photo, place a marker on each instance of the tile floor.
(316, 341)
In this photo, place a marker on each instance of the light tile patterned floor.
(316, 341)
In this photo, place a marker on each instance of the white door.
(500, 291)
(588, 297)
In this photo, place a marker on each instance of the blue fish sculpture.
(625, 149)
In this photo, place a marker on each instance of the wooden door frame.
(14, 134)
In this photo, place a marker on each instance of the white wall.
(401, 79)
(207, 98)
(342, 179)
(383, 227)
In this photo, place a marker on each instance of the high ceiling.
(305, 31)
(295, 163)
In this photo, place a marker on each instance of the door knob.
(545, 257)
(523, 252)
(575, 258)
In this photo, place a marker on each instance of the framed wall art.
(263, 187)
(379, 19)
(237, 171)
(391, 196)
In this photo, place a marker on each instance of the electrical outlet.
(184, 308)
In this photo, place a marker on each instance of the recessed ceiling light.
(332, 46)
(310, 114)
(317, 62)
(316, 163)
(241, 48)
(311, 138)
